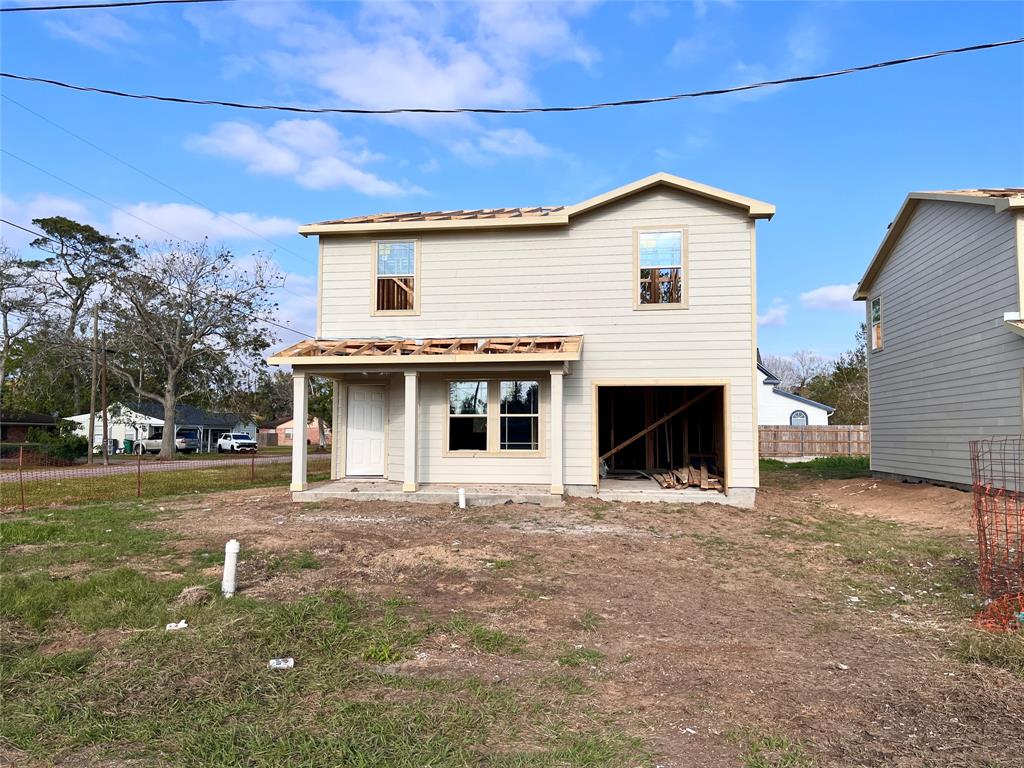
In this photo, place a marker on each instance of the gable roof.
(1001, 199)
(806, 401)
(26, 418)
(558, 215)
(186, 415)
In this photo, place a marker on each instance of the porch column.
(411, 396)
(339, 414)
(300, 416)
(556, 433)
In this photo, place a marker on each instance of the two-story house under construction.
(607, 347)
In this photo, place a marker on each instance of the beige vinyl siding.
(949, 370)
(576, 279)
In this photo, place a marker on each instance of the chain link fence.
(31, 478)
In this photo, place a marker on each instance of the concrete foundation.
(430, 493)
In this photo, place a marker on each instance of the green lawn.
(825, 468)
(77, 487)
(87, 668)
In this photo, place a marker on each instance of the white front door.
(364, 447)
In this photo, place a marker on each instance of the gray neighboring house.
(944, 299)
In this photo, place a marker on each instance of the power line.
(90, 194)
(206, 294)
(513, 110)
(158, 181)
(87, 6)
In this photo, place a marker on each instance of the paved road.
(124, 467)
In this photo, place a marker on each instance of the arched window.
(798, 419)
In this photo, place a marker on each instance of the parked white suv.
(235, 443)
(186, 440)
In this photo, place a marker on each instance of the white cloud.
(99, 30)
(40, 206)
(401, 54)
(775, 315)
(833, 297)
(312, 152)
(501, 142)
(647, 11)
(159, 221)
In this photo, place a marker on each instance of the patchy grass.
(78, 486)
(882, 565)
(769, 751)
(997, 650)
(581, 657)
(87, 668)
(825, 468)
(589, 621)
(293, 561)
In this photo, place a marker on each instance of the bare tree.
(194, 319)
(24, 303)
(797, 370)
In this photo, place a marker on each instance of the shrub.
(60, 445)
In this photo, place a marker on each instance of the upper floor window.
(798, 419)
(395, 288)
(659, 259)
(876, 322)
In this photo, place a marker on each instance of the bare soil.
(712, 627)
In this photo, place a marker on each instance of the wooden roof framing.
(403, 351)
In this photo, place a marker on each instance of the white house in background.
(777, 407)
(139, 420)
(944, 301)
(548, 350)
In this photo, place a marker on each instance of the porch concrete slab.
(429, 493)
(649, 491)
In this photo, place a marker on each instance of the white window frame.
(684, 267)
(494, 416)
(486, 416)
(875, 347)
(374, 311)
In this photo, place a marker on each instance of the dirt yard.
(830, 627)
(712, 623)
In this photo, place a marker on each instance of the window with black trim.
(467, 416)
(660, 264)
(798, 419)
(520, 416)
(396, 276)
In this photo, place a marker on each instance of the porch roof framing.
(402, 351)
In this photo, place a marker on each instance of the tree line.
(181, 322)
(841, 383)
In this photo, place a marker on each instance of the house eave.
(755, 209)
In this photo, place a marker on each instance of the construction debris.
(689, 477)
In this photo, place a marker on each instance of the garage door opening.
(669, 437)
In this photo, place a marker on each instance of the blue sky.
(836, 157)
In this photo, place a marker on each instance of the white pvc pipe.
(462, 498)
(227, 584)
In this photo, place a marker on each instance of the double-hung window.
(395, 288)
(520, 416)
(659, 257)
(467, 416)
(876, 323)
(494, 416)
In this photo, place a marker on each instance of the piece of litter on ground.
(853, 599)
(543, 597)
(421, 655)
(176, 625)
(286, 663)
(691, 731)
(842, 666)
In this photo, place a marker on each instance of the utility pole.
(103, 401)
(92, 385)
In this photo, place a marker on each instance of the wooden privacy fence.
(830, 440)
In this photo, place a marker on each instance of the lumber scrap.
(704, 476)
(658, 423)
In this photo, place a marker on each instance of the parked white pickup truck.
(236, 442)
